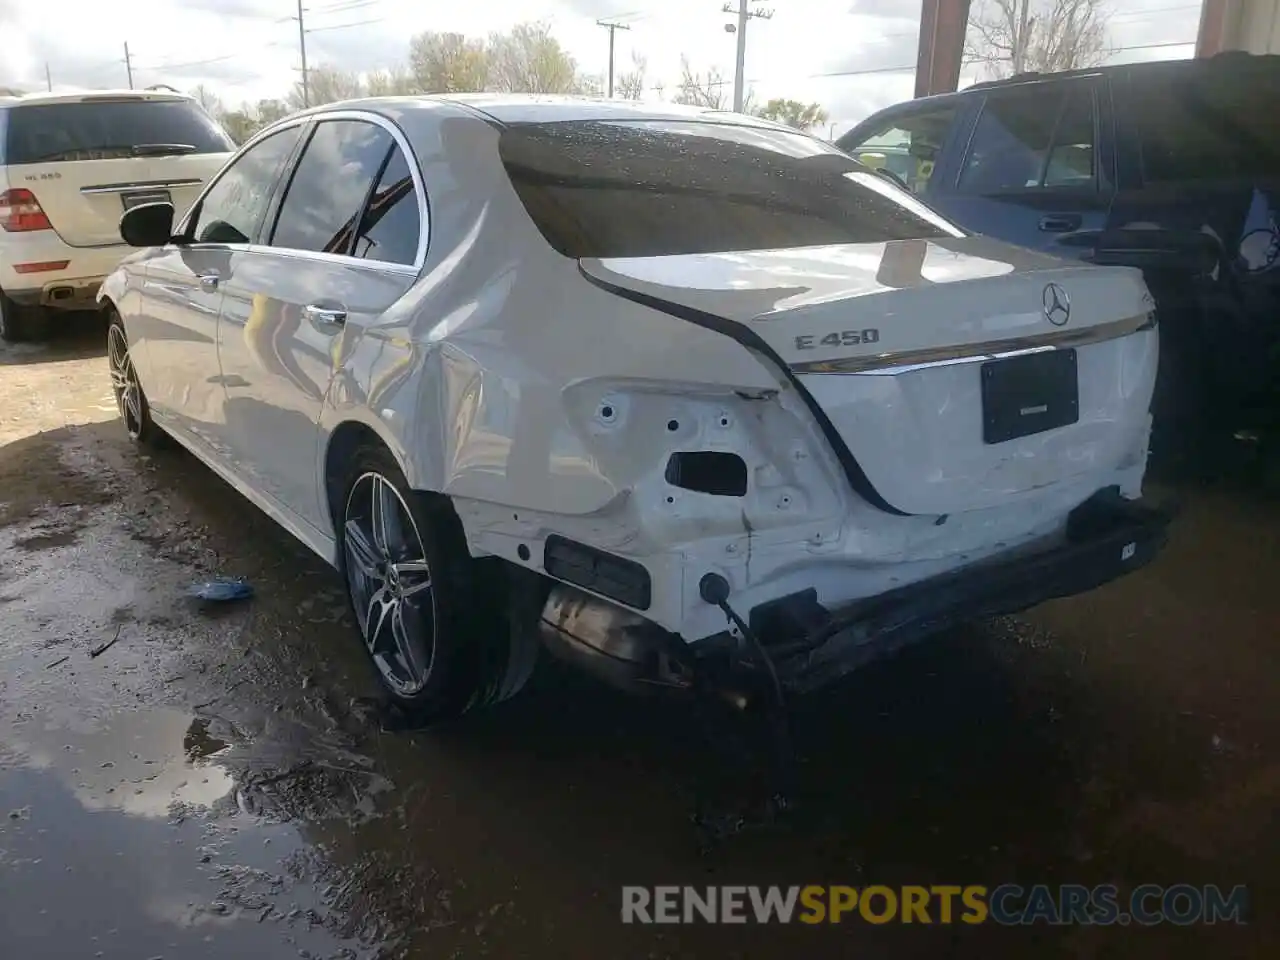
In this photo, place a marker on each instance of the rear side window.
(1032, 137)
(392, 221)
(107, 130)
(338, 168)
(1209, 122)
(660, 187)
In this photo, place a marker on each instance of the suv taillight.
(20, 212)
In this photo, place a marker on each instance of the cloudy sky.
(246, 49)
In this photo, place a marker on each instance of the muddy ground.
(215, 786)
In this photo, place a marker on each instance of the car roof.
(1226, 60)
(92, 96)
(541, 108)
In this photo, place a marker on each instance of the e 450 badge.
(838, 338)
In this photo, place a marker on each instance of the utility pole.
(302, 48)
(744, 13)
(128, 64)
(48, 77)
(612, 28)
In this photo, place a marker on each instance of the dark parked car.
(1173, 167)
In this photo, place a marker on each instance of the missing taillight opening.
(705, 471)
(21, 212)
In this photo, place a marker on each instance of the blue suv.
(1173, 167)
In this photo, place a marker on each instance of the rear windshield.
(654, 188)
(1209, 121)
(106, 129)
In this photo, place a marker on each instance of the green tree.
(802, 116)
(528, 59)
(389, 82)
(447, 63)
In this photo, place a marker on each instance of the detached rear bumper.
(1107, 537)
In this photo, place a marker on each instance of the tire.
(435, 623)
(20, 324)
(131, 400)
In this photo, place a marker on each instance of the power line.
(344, 26)
(613, 27)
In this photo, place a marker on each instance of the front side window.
(338, 167)
(906, 147)
(1032, 137)
(658, 187)
(232, 210)
(392, 223)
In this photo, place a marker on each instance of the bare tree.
(327, 84)
(630, 83)
(209, 100)
(703, 90)
(1041, 36)
(529, 60)
(448, 63)
(710, 90)
(802, 116)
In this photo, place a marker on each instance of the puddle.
(140, 823)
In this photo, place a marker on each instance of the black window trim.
(1069, 88)
(313, 120)
(188, 220)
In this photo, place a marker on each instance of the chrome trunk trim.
(909, 360)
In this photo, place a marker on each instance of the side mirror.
(147, 225)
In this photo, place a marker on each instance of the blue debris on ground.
(221, 590)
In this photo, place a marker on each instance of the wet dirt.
(214, 784)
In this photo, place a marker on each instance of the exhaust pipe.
(615, 645)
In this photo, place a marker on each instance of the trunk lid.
(960, 373)
(84, 199)
(87, 158)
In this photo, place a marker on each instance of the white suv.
(70, 165)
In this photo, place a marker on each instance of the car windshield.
(661, 187)
(108, 129)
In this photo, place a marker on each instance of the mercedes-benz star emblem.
(1057, 305)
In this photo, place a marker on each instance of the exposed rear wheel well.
(344, 443)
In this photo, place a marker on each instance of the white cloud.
(246, 49)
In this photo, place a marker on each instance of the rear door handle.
(1060, 222)
(209, 281)
(322, 314)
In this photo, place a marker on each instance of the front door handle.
(209, 282)
(1060, 222)
(322, 314)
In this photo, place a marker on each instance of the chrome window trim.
(139, 185)
(889, 364)
(411, 159)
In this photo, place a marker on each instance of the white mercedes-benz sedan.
(682, 396)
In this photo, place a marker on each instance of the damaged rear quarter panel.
(476, 378)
